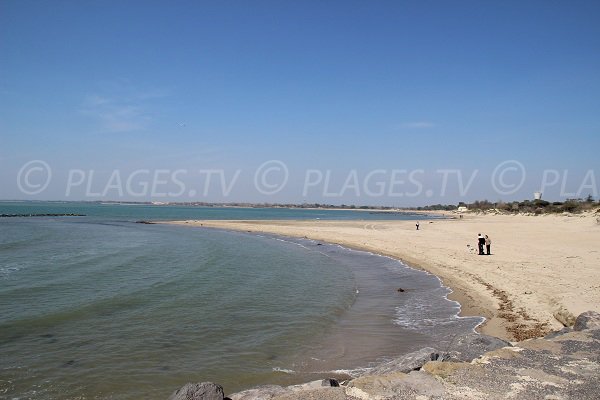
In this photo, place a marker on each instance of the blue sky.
(342, 87)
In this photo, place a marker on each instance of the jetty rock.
(199, 391)
(408, 362)
(472, 345)
(587, 320)
(562, 365)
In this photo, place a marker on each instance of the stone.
(329, 393)
(564, 367)
(199, 391)
(309, 386)
(555, 334)
(444, 369)
(408, 362)
(261, 393)
(472, 345)
(564, 317)
(587, 320)
(395, 385)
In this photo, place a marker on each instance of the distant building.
(537, 196)
(462, 209)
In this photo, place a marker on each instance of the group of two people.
(484, 241)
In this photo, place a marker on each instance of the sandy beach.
(543, 271)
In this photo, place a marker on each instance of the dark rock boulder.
(587, 320)
(330, 382)
(199, 391)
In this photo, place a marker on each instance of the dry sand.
(541, 267)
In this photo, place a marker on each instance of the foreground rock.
(587, 320)
(326, 389)
(563, 365)
(199, 391)
(470, 346)
(408, 362)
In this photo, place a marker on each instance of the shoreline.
(517, 303)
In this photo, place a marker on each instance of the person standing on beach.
(417, 226)
(480, 243)
(488, 244)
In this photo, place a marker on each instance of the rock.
(408, 362)
(564, 317)
(472, 345)
(395, 385)
(315, 394)
(444, 369)
(310, 385)
(565, 367)
(261, 393)
(199, 391)
(587, 320)
(555, 334)
(400, 290)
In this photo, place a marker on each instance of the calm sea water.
(100, 307)
(178, 212)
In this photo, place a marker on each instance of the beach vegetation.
(537, 206)
(439, 207)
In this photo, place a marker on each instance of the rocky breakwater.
(562, 365)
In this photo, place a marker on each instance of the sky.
(397, 103)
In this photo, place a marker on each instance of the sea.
(99, 306)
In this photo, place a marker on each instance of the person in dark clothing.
(417, 225)
(480, 243)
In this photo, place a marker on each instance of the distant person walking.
(480, 243)
(488, 244)
(417, 226)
